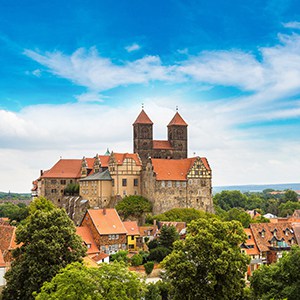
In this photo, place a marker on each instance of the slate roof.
(177, 120)
(101, 176)
(107, 221)
(132, 227)
(142, 119)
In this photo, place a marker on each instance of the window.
(53, 181)
(124, 182)
(135, 182)
(71, 181)
(177, 183)
(53, 191)
(203, 183)
(63, 181)
(184, 184)
(169, 183)
(116, 236)
(163, 184)
(113, 182)
(132, 238)
(124, 193)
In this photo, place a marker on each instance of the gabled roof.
(100, 256)
(107, 221)
(263, 241)
(178, 225)
(175, 169)
(7, 237)
(144, 230)
(162, 145)
(132, 227)
(177, 120)
(86, 235)
(250, 245)
(101, 176)
(143, 119)
(120, 157)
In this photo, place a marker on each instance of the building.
(133, 235)
(106, 230)
(158, 170)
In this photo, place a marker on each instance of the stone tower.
(143, 136)
(177, 136)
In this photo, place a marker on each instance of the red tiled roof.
(177, 120)
(120, 157)
(86, 235)
(178, 225)
(162, 145)
(145, 229)
(250, 242)
(263, 241)
(100, 256)
(174, 169)
(132, 227)
(64, 168)
(143, 119)
(2, 262)
(7, 237)
(108, 223)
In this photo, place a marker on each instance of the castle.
(158, 170)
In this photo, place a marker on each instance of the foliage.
(159, 253)
(260, 219)
(134, 206)
(17, 212)
(168, 235)
(230, 199)
(164, 288)
(287, 208)
(240, 215)
(153, 244)
(180, 215)
(149, 267)
(137, 260)
(144, 255)
(48, 243)
(72, 189)
(109, 282)
(153, 292)
(280, 280)
(290, 195)
(209, 260)
(15, 196)
(120, 256)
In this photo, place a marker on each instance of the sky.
(74, 75)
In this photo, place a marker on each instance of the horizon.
(75, 75)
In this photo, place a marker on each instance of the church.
(159, 170)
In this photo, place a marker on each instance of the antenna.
(142, 105)
(176, 107)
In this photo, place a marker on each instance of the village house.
(133, 235)
(106, 230)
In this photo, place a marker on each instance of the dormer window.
(275, 232)
(286, 231)
(262, 233)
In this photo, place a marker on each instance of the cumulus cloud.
(294, 25)
(133, 47)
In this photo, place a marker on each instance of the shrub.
(137, 260)
(149, 267)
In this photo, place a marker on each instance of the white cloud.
(294, 25)
(133, 47)
(90, 97)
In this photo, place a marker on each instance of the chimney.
(104, 211)
(42, 172)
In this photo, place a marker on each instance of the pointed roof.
(177, 120)
(143, 119)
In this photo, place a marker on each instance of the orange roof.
(100, 256)
(162, 145)
(144, 230)
(178, 225)
(2, 262)
(132, 227)
(120, 157)
(7, 237)
(250, 243)
(177, 120)
(174, 169)
(143, 119)
(64, 168)
(108, 222)
(263, 240)
(86, 235)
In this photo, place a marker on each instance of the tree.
(288, 208)
(229, 199)
(280, 280)
(290, 195)
(110, 281)
(149, 267)
(240, 215)
(134, 206)
(209, 260)
(137, 260)
(120, 256)
(17, 212)
(153, 292)
(168, 235)
(159, 253)
(48, 243)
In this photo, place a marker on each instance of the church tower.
(143, 136)
(177, 136)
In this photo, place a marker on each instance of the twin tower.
(173, 148)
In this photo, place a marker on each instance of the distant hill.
(15, 196)
(257, 187)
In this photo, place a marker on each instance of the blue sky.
(73, 76)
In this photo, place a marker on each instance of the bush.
(153, 292)
(136, 260)
(152, 244)
(149, 267)
(120, 256)
(159, 253)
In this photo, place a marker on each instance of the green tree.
(14, 212)
(159, 253)
(230, 199)
(109, 282)
(137, 260)
(168, 235)
(288, 208)
(48, 243)
(290, 195)
(153, 292)
(134, 206)
(280, 280)
(149, 267)
(240, 215)
(120, 256)
(209, 260)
